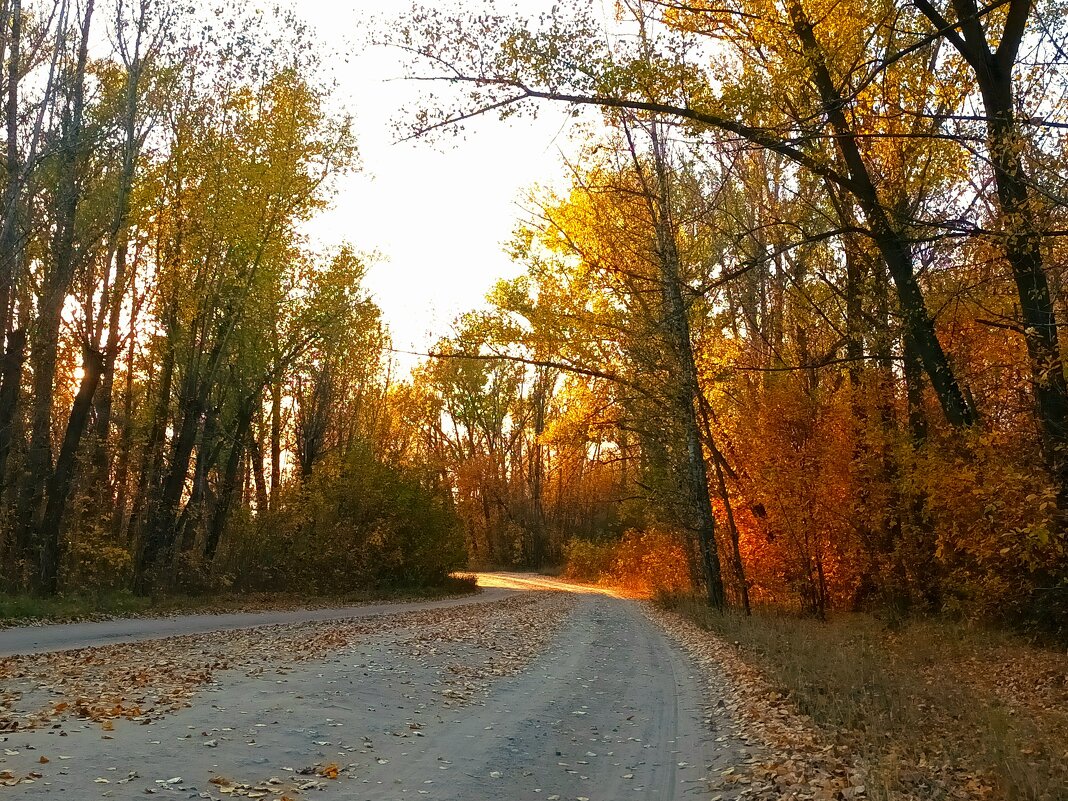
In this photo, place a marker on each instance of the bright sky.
(438, 213)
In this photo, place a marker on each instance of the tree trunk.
(276, 442)
(1021, 237)
(9, 248)
(122, 465)
(728, 508)
(914, 394)
(258, 474)
(152, 463)
(10, 380)
(193, 518)
(677, 327)
(539, 533)
(160, 530)
(228, 487)
(1022, 244)
(44, 344)
(118, 251)
(50, 532)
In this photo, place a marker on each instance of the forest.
(793, 333)
(789, 336)
(191, 392)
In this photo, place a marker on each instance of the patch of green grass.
(14, 608)
(929, 705)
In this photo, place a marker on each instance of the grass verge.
(18, 610)
(936, 710)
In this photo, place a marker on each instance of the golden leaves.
(329, 771)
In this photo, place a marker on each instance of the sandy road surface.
(543, 691)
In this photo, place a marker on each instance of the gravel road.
(541, 690)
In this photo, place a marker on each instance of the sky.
(437, 213)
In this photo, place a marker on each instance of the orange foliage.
(802, 544)
(642, 562)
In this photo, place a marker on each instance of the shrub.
(652, 562)
(356, 523)
(93, 564)
(588, 561)
(644, 562)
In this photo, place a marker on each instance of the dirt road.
(65, 636)
(540, 690)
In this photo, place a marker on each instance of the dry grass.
(936, 710)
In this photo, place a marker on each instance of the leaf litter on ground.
(791, 758)
(140, 683)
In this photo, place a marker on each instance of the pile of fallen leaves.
(791, 758)
(276, 788)
(996, 711)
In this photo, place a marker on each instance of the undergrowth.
(936, 709)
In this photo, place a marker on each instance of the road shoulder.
(790, 758)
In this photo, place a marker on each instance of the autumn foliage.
(193, 397)
(788, 324)
(646, 563)
(803, 286)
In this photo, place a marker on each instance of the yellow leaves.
(10, 779)
(225, 785)
(329, 771)
(242, 173)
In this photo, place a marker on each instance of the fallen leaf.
(329, 771)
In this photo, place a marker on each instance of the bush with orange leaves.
(799, 550)
(643, 563)
(992, 517)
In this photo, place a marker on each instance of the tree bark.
(258, 474)
(221, 513)
(118, 250)
(9, 250)
(122, 466)
(728, 509)
(677, 327)
(276, 442)
(10, 380)
(160, 529)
